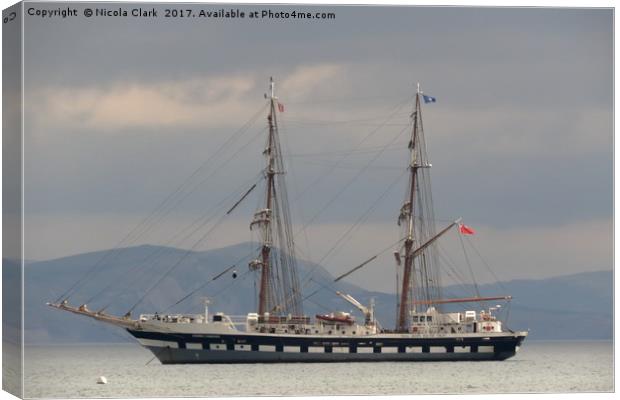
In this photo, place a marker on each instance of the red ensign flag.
(280, 107)
(466, 230)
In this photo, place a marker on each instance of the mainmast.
(279, 287)
(267, 237)
(418, 194)
(407, 213)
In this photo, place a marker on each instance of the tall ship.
(279, 331)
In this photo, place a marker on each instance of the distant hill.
(576, 306)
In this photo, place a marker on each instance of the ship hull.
(173, 348)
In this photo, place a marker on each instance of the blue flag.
(429, 99)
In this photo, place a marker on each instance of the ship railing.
(191, 318)
(284, 320)
(173, 318)
(237, 319)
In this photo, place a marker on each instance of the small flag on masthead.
(429, 99)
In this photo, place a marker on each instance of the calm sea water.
(72, 371)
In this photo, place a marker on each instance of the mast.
(279, 287)
(407, 213)
(419, 233)
(267, 237)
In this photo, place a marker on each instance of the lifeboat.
(337, 317)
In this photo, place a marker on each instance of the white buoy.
(102, 380)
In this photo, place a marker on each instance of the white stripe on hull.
(389, 350)
(438, 349)
(413, 349)
(158, 343)
(340, 349)
(316, 349)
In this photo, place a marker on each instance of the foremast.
(279, 286)
(417, 216)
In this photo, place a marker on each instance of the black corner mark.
(12, 15)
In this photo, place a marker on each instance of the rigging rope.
(339, 100)
(199, 288)
(331, 284)
(178, 201)
(446, 260)
(346, 186)
(194, 291)
(350, 166)
(307, 278)
(225, 288)
(162, 251)
(380, 152)
(174, 266)
(360, 220)
(146, 221)
(296, 209)
(469, 266)
(361, 151)
(358, 146)
(486, 264)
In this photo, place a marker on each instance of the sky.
(121, 111)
